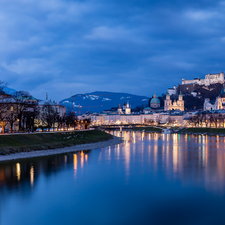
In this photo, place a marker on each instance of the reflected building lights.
(203, 150)
(199, 157)
(82, 159)
(18, 171)
(32, 176)
(155, 154)
(134, 137)
(175, 152)
(217, 141)
(127, 159)
(75, 164)
(142, 135)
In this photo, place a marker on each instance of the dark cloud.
(136, 46)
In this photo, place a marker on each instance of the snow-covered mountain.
(102, 100)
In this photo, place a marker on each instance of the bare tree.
(49, 115)
(71, 120)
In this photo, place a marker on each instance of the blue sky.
(134, 46)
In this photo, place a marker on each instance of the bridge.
(117, 127)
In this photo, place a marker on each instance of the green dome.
(155, 100)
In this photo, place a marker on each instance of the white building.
(218, 104)
(125, 110)
(209, 79)
(112, 119)
(172, 91)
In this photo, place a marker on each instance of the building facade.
(218, 104)
(125, 110)
(172, 91)
(154, 118)
(176, 105)
(209, 79)
(155, 102)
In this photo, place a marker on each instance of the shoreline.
(75, 148)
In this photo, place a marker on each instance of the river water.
(148, 179)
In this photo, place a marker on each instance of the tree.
(11, 117)
(22, 105)
(30, 115)
(86, 123)
(49, 115)
(71, 120)
(61, 121)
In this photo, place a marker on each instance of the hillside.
(211, 91)
(102, 100)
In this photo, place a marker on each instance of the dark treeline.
(207, 119)
(22, 112)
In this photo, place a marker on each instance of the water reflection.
(151, 164)
(197, 156)
(200, 157)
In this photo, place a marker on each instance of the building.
(217, 104)
(155, 102)
(154, 105)
(49, 108)
(128, 109)
(209, 79)
(120, 110)
(176, 105)
(176, 118)
(125, 110)
(172, 91)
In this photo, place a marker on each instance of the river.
(149, 179)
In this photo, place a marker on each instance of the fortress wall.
(209, 79)
(188, 81)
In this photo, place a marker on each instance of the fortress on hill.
(209, 79)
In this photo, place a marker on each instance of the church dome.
(155, 100)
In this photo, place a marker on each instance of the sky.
(66, 47)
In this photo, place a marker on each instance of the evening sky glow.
(134, 46)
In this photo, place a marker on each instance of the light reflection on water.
(205, 154)
(148, 168)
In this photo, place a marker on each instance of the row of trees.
(207, 119)
(22, 111)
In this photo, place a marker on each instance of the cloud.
(111, 34)
(63, 46)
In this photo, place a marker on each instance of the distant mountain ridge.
(102, 100)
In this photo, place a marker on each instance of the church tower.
(128, 109)
(119, 110)
(180, 102)
(167, 102)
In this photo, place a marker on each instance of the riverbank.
(41, 153)
(17, 143)
(203, 130)
(148, 129)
